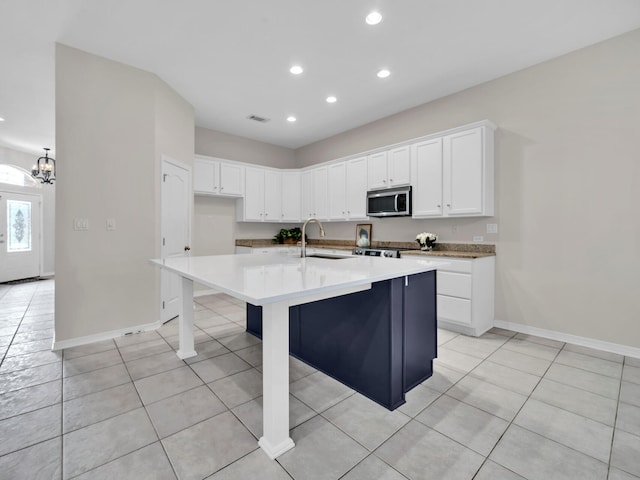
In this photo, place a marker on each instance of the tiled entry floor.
(502, 406)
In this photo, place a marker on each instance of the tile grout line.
(513, 419)
(146, 412)
(615, 420)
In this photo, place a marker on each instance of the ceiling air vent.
(256, 118)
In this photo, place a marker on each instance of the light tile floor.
(503, 406)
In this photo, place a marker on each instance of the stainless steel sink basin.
(327, 256)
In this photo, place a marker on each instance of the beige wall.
(26, 160)
(567, 187)
(240, 149)
(112, 124)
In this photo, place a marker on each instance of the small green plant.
(291, 235)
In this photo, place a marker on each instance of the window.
(18, 226)
(16, 176)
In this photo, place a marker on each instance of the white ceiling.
(231, 58)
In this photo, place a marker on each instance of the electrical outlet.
(111, 223)
(492, 228)
(454, 228)
(478, 238)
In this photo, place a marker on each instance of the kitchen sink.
(327, 256)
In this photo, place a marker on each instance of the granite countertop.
(456, 250)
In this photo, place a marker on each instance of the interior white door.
(176, 230)
(20, 247)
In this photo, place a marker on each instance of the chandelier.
(45, 168)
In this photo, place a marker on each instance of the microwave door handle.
(395, 202)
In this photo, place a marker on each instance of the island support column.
(185, 321)
(275, 438)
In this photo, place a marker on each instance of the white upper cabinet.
(452, 176)
(390, 168)
(321, 193)
(291, 197)
(399, 166)
(254, 197)
(347, 186)
(377, 173)
(231, 179)
(337, 178)
(308, 199)
(213, 177)
(467, 174)
(272, 196)
(315, 194)
(263, 196)
(356, 191)
(205, 176)
(426, 166)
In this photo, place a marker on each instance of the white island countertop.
(277, 281)
(274, 277)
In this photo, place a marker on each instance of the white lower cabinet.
(466, 289)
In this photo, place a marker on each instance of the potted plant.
(291, 236)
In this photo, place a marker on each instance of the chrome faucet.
(303, 250)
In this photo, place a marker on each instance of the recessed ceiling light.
(296, 69)
(1, 119)
(384, 73)
(373, 18)
(331, 99)
(291, 119)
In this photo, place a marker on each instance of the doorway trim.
(164, 160)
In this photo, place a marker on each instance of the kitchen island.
(276, 282)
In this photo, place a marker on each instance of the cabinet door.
(204, 176)
(231, 177)
(291, 197)
(426, 164)
(321, 194)
(356, 191)
(254, 197)
(399, 166)
(463, 172)
(337, 185)
(308, 196)
(272, 196)
(377, 171)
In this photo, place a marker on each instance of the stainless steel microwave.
(392, 202)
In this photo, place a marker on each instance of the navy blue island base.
(380, 342)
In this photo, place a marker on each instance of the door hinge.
(164, 177)
(163, 304)
(163, 242)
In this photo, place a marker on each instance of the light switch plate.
(111, 224)
(492, 228)
(80, 224)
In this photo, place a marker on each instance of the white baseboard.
(569, 338)
(76, 342)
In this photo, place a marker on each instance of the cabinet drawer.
(454, 284)
(457, 265)
(455, 309)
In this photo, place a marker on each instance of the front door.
(20, 250)
(176, 230)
